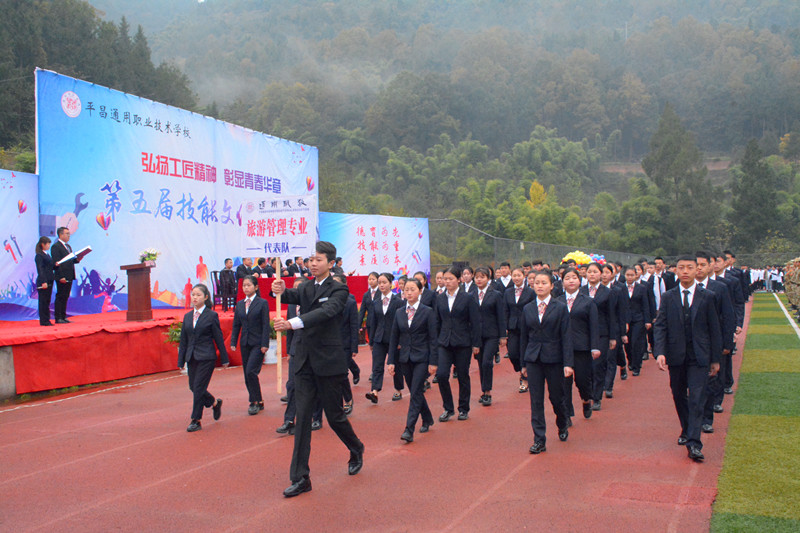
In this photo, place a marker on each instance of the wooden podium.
(139, 308)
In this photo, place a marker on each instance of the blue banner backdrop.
(125, 174)
(19, 211)
(368, 243)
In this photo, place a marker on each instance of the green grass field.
(759, 487)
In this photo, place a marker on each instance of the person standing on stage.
(200, 334)
(412, 353)
(64, 274)
(320, 365)
(493, 330)
(379, 327)
(515, 301)
(688, 342)
(547, 356)
(44, 279)
(227, 284)
(251, 318)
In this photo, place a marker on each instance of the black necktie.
(701, 285)
(317, 287)
(686, 302)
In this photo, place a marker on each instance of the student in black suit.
(44, 279)
(616, 307)
(227, 284)
(368, 297)
(667, 277)
(412, 348)
(379, 327)
(200, 334)
(638, 305)
(607, 326)
(468, 280)
(320, 367)
(349, 333)
(547, 354)
(493, 330)
(504, 277)
(245, 269)
(739, 293)
(727, 324)
(688, 340)
(251, 318)
(426, 296)
(459, 320)
(584, 330)
(515, 299)
(64, 274)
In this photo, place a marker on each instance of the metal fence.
(453, 240)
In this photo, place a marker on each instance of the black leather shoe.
(407, 436)
(718, 408)
(356, 462)
(48, 324)
(253, 409)
(563, 434)
(609, 394)
(623, 375)
(682, 440)
(447, 415)
(217, 409)
(316, 424)
(635, 372)
(480, 400)
(285, 399)
(286, 427)
(356, 378)
(194, 426)
(397, 396)
(61, 321)
(708, 428)
(537, 448)
(596, 405)
(66, 321)
(463, 415)
(587, 409)
(348, 408)
(298, 488)
(728, 390)
(695, 454)
(371, 396)
(426, 427)
(487, 401)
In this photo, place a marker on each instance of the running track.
(117, 457)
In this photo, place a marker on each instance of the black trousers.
(599, 369)
(44, 303)
(347, 392)
(252, 360)
(715, 392)
(637, 345)
(310, 388)
(199, 377)
(615, 358)
(416, 374)
(379, 352)
(513, 349)
(583, 371)
(460, 357)
(728, 374)
(485, 360)
(291, 404)
(688, 384)
(553, 374)
(62, 296)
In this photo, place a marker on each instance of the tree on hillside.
(754, 211)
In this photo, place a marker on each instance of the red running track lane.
(118, 458)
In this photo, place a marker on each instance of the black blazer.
(415, 343)
(669, 334)
(725, 312)
(497, 284)
(669, 280)
(242, 271)
(350, 325)
(254, 325)
(460, 326)
(514, 308)
(583, 322)
(619, 302)
(473, 289)
(366, 302)
(227, 281)
(44, 269)
(379, 325)
(548, 341)
(606, 302)
(321, 342)
(428, 298)
(493, 314)
(737, 296)
(558, 288)
(638, 306)
(197, 341)
(292, 335)
(66, 270)
(293, 270)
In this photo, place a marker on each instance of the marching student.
(584, 332)
(379, 326)
(459, 320)
(503, 280)
(735, 288)
(515, 299)
(688, 342)
(426, 296)
(412, 354)
(467, 281)
(200, 334)
(546, 349)
(493, 331)
(368, 297)
(617, 307)
(349, 330)
(638, 306)
(607, 326)
(440, 282)
(251, 318)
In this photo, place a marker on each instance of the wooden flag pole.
(279, 334)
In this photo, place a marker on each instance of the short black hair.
(454, 271)
(658, 258)
(341, 278)
(468, 268)
(703, 254)
(261, 261)
(226, 260)
(728, 252)
(62, 229)
(484, 271)
(544, 272)
(691, 258)
(537, 262)
(570, 262)
(288, 262)
(387, 275)
(505, 264)
(415, 281)
(569, 270)
(526, 264)
(327, 248)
